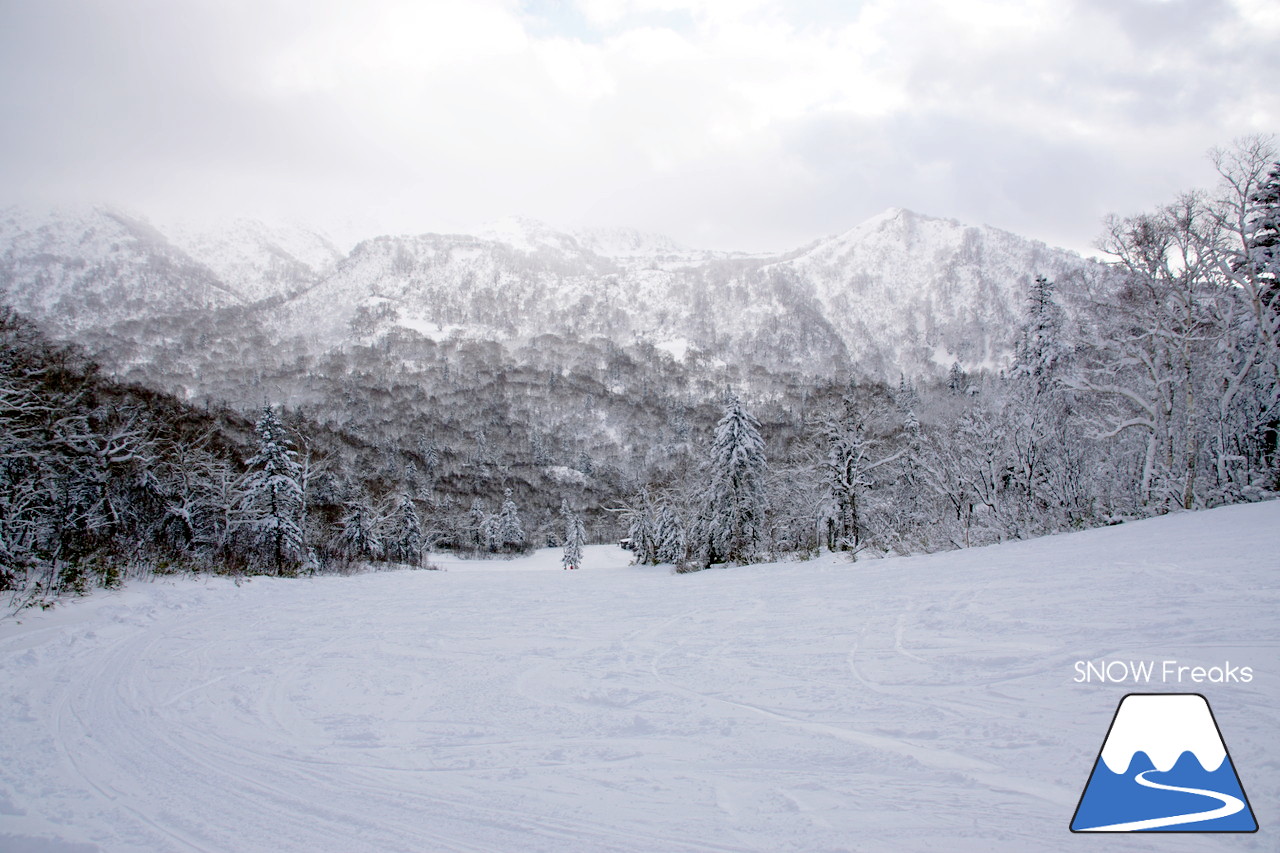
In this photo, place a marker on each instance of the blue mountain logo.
(1163, 767)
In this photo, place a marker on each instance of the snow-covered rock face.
(1163, 726)
(900, 293)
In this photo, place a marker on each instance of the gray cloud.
(405, 116)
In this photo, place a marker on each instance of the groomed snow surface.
(917, 704)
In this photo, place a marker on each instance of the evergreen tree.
(359, 539)
(641, 529)
(669, 540)
(509, 533)
(406, 539)
(906, 396)
(1262, 237)
(489, 534)
(431, 461)
(575, 537)
(1039, 349)
(275, 494)
(910, 500)
(732, 525)
(1035, 410)
(476, 524)
(539, 454)
(1262, 247)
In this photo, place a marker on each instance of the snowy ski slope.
(918, 704)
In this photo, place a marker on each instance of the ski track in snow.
(898, 705)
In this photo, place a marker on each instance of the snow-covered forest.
(1114, 392)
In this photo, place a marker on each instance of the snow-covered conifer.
(476, 526)
(405, 545)
(1262, 237)
(359, 539)
(1039, 349)
(641, 528)
(731, 527)
(574, 536)
(275, 494)
(509, 532)
(669, 540)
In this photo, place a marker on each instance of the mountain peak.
(527, 235)
(1163, 725)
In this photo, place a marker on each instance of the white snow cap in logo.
(1163, 726)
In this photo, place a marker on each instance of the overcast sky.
(734, 124)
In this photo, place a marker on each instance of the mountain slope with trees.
(458, 399)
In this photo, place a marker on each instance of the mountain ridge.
(900, 293)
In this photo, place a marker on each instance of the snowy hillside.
(258, 261)
(908, 290)
(900, 293)
(914, 704)
(95, 268)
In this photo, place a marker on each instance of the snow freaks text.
(1164, 672)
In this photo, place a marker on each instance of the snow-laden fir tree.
(430, 452)
(489, 534)
(359, 539)
(510, 531)
(412, 482)
(275, 495)
(642, 519)
(1262, 245)
(669, 540)
(1035, 412)
(405, 545)
(1040, 349)
(477, 524)
(732, 524)
(1262, 235)
(574, 537)
(912, 504)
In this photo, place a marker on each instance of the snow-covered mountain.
(100, 268)
(95, 268)
(256, 260)
(909, 291)
(621, 244)
(899, 293)
(1163, 726)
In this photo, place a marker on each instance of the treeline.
(1149, 385)
(1146, 387)
(100, 481)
